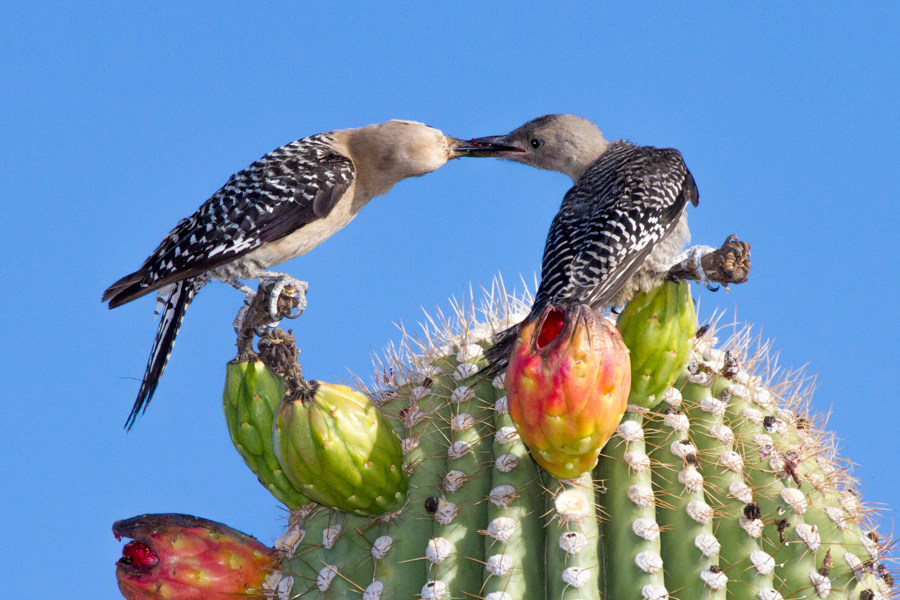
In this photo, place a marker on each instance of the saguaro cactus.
(717, 484)
(722, 487)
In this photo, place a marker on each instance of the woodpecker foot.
(726, 265)
(255, 319)
(691, 261)
(282, 282)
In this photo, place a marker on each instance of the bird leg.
(254, 319)
(690, 261)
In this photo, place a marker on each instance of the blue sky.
(118, 119)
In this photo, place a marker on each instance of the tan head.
(563, 143)
(386, 153)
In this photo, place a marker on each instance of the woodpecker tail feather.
(498, 354)
(172, 305)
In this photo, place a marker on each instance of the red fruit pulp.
(551, 327)
(136, 553)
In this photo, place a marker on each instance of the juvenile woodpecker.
(620, 227)
(280, 207)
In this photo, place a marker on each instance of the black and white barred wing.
(611, 220)
(283, 191)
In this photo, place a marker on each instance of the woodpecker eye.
(536, 143)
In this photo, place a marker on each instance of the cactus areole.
(567, 387)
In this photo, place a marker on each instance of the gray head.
(563, 143)
(386, 153)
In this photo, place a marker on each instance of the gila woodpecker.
(620, 227)
(280, 207)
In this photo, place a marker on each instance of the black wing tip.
(125, 290)
(690, 189)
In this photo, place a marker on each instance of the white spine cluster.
(381, 546)
(373, 591)
(462, 394)
(637, 461)
(741, 491)
(672, 397)
(654, 592)
(700, 511)
(708, 545)
(630, 431)
(505, 435)
(438, 549)
(573, 542)
(795, 499)
(502, 495)
(454, 480)
(713, 406)
(499, 564)
(691, 479)
(715, 579)
(763, 562)
(641, 495)
(722, 433)
(577, 577)
(434, 590)
(464, 371)
(753, 527)
(506, 462)
(501, 528)
(682, 450)
(571, 505)
(461, 422)
(325, 576)
(645, 528)
(809, 534)
(677, 422)
(407, 445)
(445, 512)
(458, 449)
(822, 583)
(648, 562)
(330, 535)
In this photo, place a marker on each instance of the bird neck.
(387, 153)
(583, 154)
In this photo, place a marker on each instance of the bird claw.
(281, 281)
(294, 315)
(263, 330)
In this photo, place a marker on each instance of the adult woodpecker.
(620, 227)
(280, 207)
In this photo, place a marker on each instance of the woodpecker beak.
(482, 147)
(496, 145)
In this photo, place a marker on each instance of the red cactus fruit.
(180, 557)
(567, 387)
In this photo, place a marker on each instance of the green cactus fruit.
(727, 489)
(251, 395)
(657, 327)
(337, 447)
(180, 557)
(567, 382)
